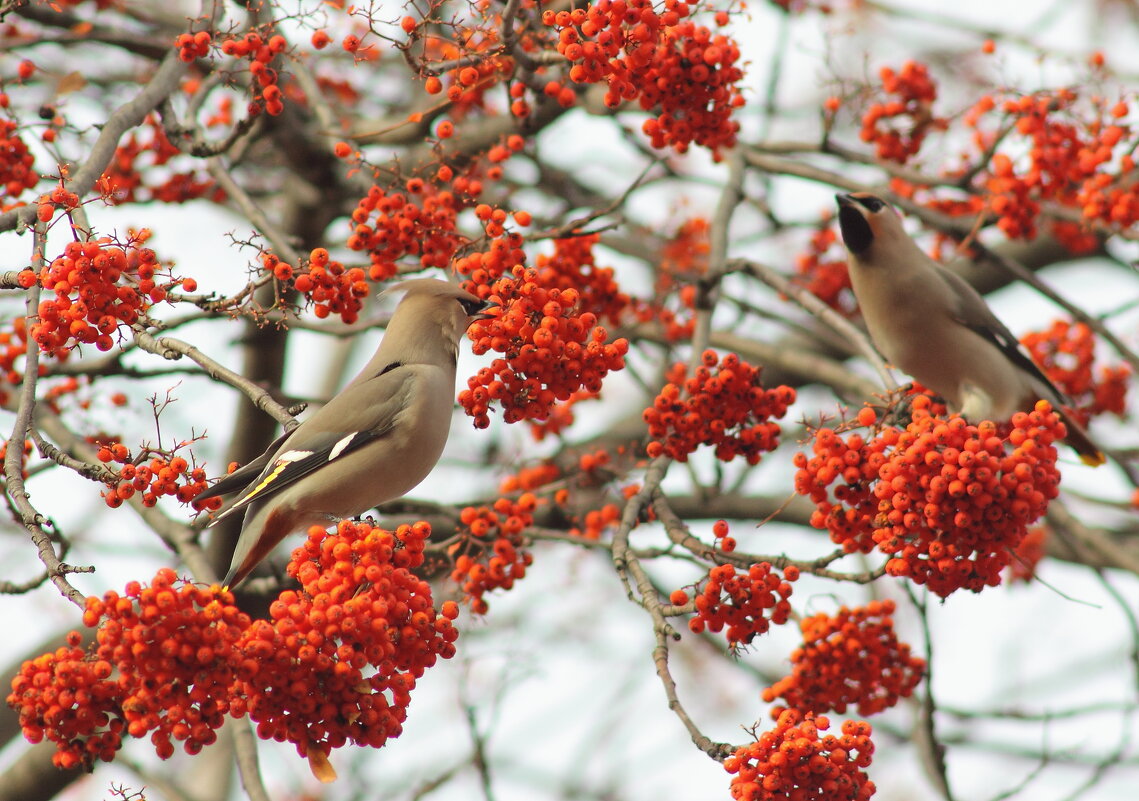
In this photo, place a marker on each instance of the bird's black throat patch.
(856, 231)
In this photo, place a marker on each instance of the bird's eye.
(472, 306)
(872, 203)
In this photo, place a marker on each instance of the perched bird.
(374, 441)
(929, 322)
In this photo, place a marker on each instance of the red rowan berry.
(740, 602)
(916, 92)
(164, 681)
(547, 360)
(903, 474)
(489, 555)
(728, 409)
(664, 63)
(1066, 352)
(794, 761)
(854, 658)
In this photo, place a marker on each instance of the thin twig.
(171, 348)
(927, 728)
(14, 457)
(127, 116)
(813, 305)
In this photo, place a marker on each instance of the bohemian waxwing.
(373, 442)
(929, 322)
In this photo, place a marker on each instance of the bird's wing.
(361, 414)
(972, 312)
(240, 478)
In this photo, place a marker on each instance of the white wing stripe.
(339, 447)
(293, 456)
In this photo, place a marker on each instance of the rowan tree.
(688, 518)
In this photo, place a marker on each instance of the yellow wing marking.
(269, 479)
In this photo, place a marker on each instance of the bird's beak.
(486, 313)
(844, 200)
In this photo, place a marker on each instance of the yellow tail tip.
(320, 766)
(1093, 459)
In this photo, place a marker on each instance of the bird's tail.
(1079, 440)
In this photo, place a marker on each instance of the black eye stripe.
(871, 203)
(473, 306)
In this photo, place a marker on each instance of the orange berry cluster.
(1103, 196)
(193, 45)
(851, 659)
(537, 478)
(793, 761)
(828, 279)
(123, 180)
(663, 61)
(260, 52)
(594, 523)
(946, 500)
(573, 266)
(17, 171)
(678, 325)
(161, 665)
(66, 697)
(724, 406)
(746, 603)
(160, 477)
(339, 659)
(489, 555)
(466, 85)
(334, 664)
(1066, 352)
(327, 284)
(916, 92)
(955, 502)
(530, 478)
(855, 462)
(1011, 199)
(725, 542)
(484, 267)
(57, 198)
(390, 226)
(564, 95)
(1080, 164)
(98, 287)
(553, 346)
(494, 219)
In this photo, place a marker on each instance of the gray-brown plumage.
(929, 322)
(373, 442)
